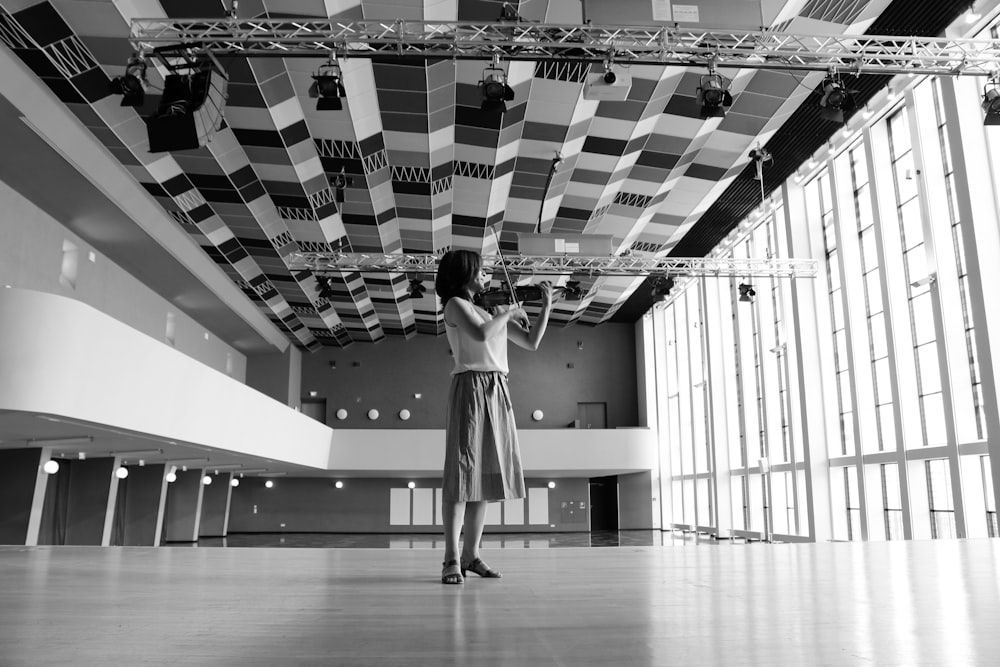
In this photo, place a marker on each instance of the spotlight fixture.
(760, 157)
(661, 288)
(51, 467)
(417, 289)
(713, 94)
(131, 85)
(835, 99)
(190, 110)
(747, 293)
(494, 89)
(991, 101)
(328, 87)
(234, 482)
(121, 472)
(325, 288)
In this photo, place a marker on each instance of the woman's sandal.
(452, 577)
(480, 568)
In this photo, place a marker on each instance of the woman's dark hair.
(455, 270)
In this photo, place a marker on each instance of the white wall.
(567, 452)
(61, 357)
(31, 257)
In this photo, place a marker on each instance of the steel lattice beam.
(564, 265)
(536, 41)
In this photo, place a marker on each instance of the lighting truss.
(557, 265)
(538, 41)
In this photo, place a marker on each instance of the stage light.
(835, 99)
(325, 288)
(661, 288)
(417, 289)
(328, 87)
(131, 85)
(713, 95)
(747, 293)
(494, 89)
(991, 103)
(190, 110)
(51, 467)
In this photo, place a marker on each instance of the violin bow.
(503, 262)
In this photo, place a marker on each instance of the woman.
(482, 461)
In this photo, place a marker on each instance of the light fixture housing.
(713, 95)
(494, 90)
(747, 293)
(328, 87)
(51, 467)
(991, 103)
(131, 85)
(661, 288)
(835, 99)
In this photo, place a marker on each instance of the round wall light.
(411, 485)
(404, 414)
(537, 415)
(171, 477)
(206, 480)
(342, 414)
(269, 484)
(122, 472)
(51, 466)
(339, 484)
(552, 485)
(234, 482)
(373, 414)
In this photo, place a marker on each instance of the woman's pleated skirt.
(482, 460)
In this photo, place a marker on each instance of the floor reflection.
(604, 538)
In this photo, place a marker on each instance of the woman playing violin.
(482, 460)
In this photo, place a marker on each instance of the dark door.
(592, 415)
(604, 503)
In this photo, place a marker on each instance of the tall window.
(932, 424)
(958, 250)
(883, 431)
(841, 360)
(941, 507)
(891, 501)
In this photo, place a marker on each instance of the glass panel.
(874, 291)
(913, 233)
(887, 428)
(930, 374)
(923, 319)
(878, 335)
(933, 409)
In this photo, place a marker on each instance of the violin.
(501, 296)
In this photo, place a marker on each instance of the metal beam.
(861, 54)
(560, 265)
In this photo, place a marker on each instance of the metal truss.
(538, 41)
(560, 265)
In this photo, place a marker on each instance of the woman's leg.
(475, 519)
(453, 512)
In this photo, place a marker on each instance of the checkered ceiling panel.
(410, 163)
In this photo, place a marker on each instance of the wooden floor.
(796, 604)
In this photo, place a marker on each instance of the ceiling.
(426, 169)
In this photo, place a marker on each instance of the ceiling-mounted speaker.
(190, 111)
